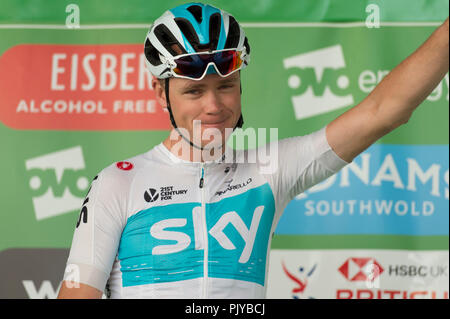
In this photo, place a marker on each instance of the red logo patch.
(360, 269)
(125, 166)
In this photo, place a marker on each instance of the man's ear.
(160, 93)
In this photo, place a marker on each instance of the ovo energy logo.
(322, 82)
(57, 181)
(312, 70)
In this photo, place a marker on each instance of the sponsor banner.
(57, 182)
(358, 274)
(78, 87)
(25, 274)
(388, 189)
(322, 72)
(37, 277)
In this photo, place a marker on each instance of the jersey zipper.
(205, 234)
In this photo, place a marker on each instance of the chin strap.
(239, 123)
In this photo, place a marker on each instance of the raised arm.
(394, 99)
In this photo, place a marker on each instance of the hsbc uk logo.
(57, 182)
(361, 269)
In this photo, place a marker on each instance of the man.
(189, 219)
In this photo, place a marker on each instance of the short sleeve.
(97, 233)
(302, 162)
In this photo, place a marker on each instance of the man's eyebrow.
(193, 85)
(228, 80)
(190, 86)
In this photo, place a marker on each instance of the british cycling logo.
(322, 83)
(57, 182)
(300, 279)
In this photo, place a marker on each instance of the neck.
(184, 151)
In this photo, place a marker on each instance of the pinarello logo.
(125, 166)
(78, 87)
(361, 269)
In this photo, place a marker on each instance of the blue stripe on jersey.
(158, 244)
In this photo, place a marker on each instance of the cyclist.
(168, 224)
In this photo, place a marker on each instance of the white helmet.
(191, 28)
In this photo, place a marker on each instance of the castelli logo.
(78, 87)
(125, 166)
(360, 269)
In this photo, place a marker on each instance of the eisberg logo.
(78, 87)
(315, 68)
(57, 181)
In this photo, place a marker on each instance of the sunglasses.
(195, 65)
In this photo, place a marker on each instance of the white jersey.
(155, 226)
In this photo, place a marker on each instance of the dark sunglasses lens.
(227, 61)
(190, 66)
(194, 66)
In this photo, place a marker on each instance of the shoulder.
(119, 175)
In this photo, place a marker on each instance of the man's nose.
(212, 103)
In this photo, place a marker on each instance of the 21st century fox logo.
(322, 82)
(57, 182)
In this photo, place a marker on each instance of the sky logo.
(57, 182)
(319, 81)
(234, 236)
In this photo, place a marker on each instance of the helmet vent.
(196, 12)
(188, 31)
(233, 35)
(151, 53)
(169, 41)
(214, 30)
